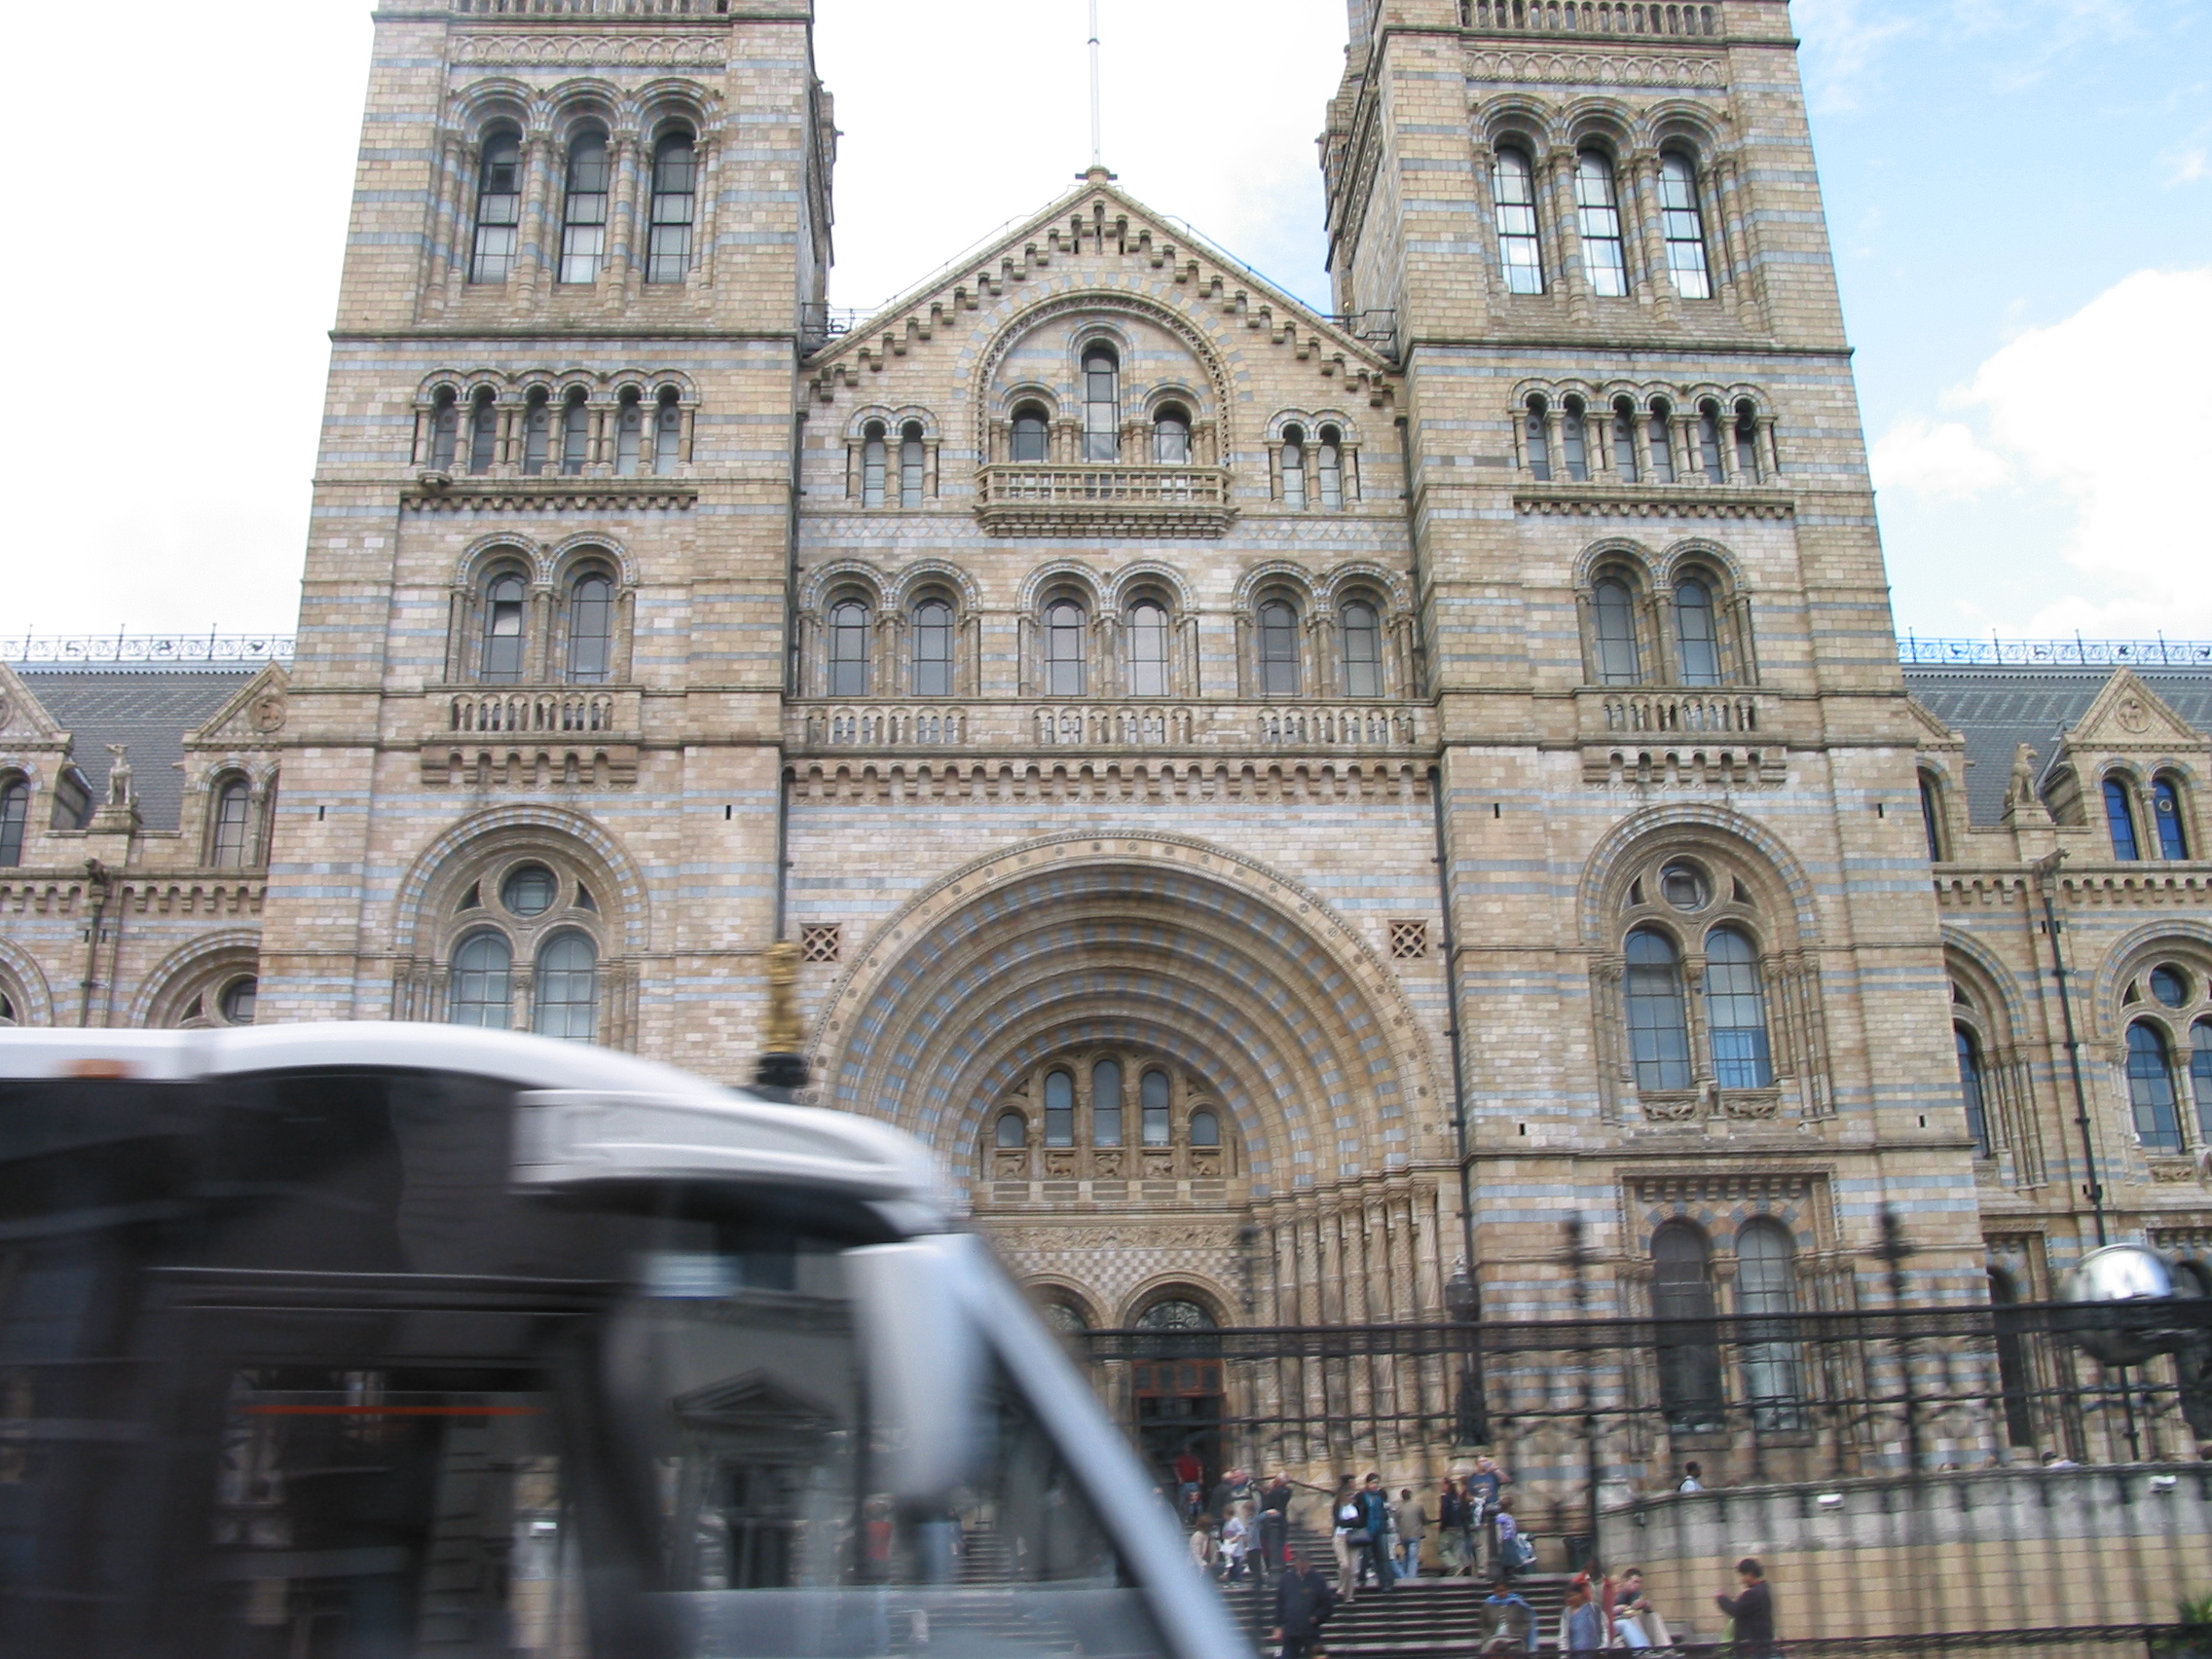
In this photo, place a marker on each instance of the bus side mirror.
(923, 1356)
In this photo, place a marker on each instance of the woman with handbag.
(1350, 1538)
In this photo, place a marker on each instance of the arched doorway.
(1175, 1387)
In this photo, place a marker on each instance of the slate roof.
(149, 709)
(1998, 709)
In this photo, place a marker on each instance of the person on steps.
(1303, 1605)
(1508, 1622)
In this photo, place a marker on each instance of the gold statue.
(781, 1066)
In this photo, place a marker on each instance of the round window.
(1684, 886)
(2169, 984)
(237, 1000)
(528, 890)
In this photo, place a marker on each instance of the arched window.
(568, 988)
(1032, 438)
(1106, 1103)
(483, 432)
(583, 210)
(1278, 648)
(1658, 1019)
(575, 433)
(1148, 649)
(913, 464)
(1971, 1087)
(1205, 1129)
(1696, 632)
(1709, 442)
(848, 649)
(1573, 440)
(239, 1000)
(1013, 1131)
(536, 432)
(499, 208)
(1613, 608)
(875, 463)
(15, 819)
(667, 431)
(1363, 649)
(1683, 222)
(676, 173)
(1060, 1109)
(505, 597)
(1766, 1284)
(2119, 818)
(233, 837)
(2151, 1089)
(1102, 404)
(482, 982)
(1175, 1313)
(933, 648)
(1624, 442)
(1329, 468)
(1152, 1098)
(1662, 441)
(1748, 443)
(1063, 649)
(1931, 818)
(1689, 1356)
(2013, 1373)
(2200, 1077)
(591, 628)
(1171, 436)
(1597, 213)
(1735, 1011)
(629, 434)
(445, 429)
(2165, 810)
(1513, 184)
(1294, 467)
(1539, 442)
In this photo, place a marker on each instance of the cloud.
(2188, 166)
(1931, 460)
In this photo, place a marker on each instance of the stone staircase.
(1420, 1618)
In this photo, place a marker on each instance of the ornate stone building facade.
(1291, 808)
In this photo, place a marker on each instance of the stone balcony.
(1107, 499)
(977, 726)
(1700, 735)
(534, 736)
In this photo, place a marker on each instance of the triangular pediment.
(1099, 236)
(754, 1404)
(2127, 715)
(24, 723)
(251, 718)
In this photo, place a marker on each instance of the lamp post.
(1463, 1300)
(1578, 1258)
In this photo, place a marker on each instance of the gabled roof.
(1098, 219)
(149, 709)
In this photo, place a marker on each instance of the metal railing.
(210, 649)
(2077, 653)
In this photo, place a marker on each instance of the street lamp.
(1464, 1301)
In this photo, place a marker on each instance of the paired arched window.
(230, 845)
(1682, 1301)
(1171, 435)
(2160, 1075)
(1294, 467)
(564, 986)
(933, 648)
(849, 630)
(1031, 438)
(1697, 632)
(505, 597)
(676, 174)
(1362, 627)
(1598, 215)
(1520, 251)
(2151, 1089)
(1734, 1005)
(1101, 403)
(1613, 605)
(583, 210)
(1065, 634)
(1682, 222)
(2167, 830)
(481, 990)
(2119, 819)
(2165, 813)
(1973, 1087)
(591, 627)
(499, 208)
(15, 820)
(1730, 1019)
(1148, 637)
(483, 432)
(1658, 1017)
(1278, 648)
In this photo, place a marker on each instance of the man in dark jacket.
(1303, 1602)
(1375, 1505)
(1753, 1612)
(1275, 1524)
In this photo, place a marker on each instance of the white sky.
(172, 275)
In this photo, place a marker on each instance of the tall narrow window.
(1574, 441)
(1278, 650)
(583, 210)
(2165, 809)
(1766, 1288)
(1735, 1011)
(591, 628)
(933, 648)
(568, 988)
(1615, 613)
(1013, 1131)
(1624, 442)
(1106, 1103)
(15, 818)
(667, 431)
(483, 432)
(504, 596)
(629, 434)
(1294, 467)
(1101, 405)
(2199, 1076)
(1063, 649)
(536, 432)
(1658, 1019)
(1932, 819)
(913, 465)
(1513, 183)
(1171, 436)
(1329, 468)
(2151, 1089)
(499, 208)
(1971, 1088)
(1205, 1129)
(2012, 1372)
(1153, 1091)
(482, 991)
(848, 649)
(445, 429)
(2119, 818)
(1747, 444)
(575, 433)
(1060, 1109)
(1597, 214)
(1697, 634)
(1689, 1356)
(1709, 442)
(1662, 444)
(676, 174)
(232, 839)
(1031, 439)
(1683, 223)
(1147, 649)
(875, 463)
(1363, 650)
(1539, 442)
